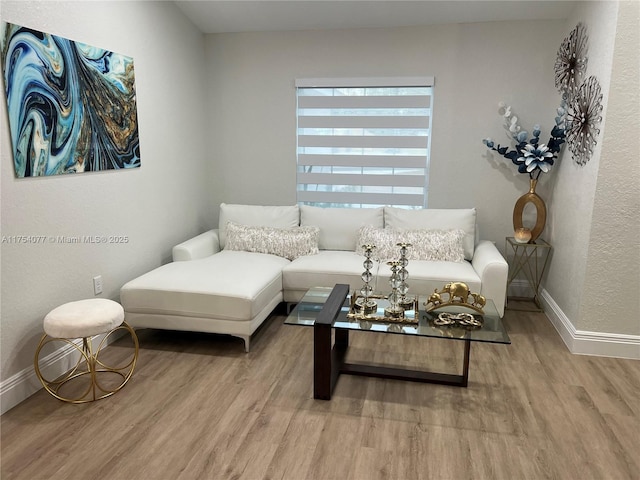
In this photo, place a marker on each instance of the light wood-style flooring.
(198, 407)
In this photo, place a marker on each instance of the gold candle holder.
(522, 235)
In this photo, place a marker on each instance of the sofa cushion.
(444, 245)
(288, 243)
(339, 226)
(323, 270)
(331, 267)
(257, 215)
(426, 276)
(435, 219)
(228, 285)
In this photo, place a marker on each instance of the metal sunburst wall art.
(583, 120)
(571, 62)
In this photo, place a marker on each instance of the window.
(363, 142)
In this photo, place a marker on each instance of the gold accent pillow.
(289, 243)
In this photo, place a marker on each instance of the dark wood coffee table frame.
(329, 361)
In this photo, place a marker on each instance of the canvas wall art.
(72, 107)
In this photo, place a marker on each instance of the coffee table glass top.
(492, 330)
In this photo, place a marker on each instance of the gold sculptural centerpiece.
(455, 294)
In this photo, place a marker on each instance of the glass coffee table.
(327, 309)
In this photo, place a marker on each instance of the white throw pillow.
(433, 245)
(289, 243)
(257, 216)
(383, 238)
(339, 226)
(436, 219)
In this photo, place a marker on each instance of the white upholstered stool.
(92, 377)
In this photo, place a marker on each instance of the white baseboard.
(583, 342)
(25, 383)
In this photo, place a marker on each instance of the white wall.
(610, 301)
(594, 247)
(571, 202)
(252, 102)
(156, 206)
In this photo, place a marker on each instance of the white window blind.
(363, 142)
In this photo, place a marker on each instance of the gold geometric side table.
(531, 260)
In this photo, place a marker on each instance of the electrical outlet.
(97, 285)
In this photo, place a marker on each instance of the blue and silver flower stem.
(531, 156)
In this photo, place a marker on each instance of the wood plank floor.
(198, 407)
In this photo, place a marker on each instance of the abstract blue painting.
(72, 107)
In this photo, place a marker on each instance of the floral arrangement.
(530, 155)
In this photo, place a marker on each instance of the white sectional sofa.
(228, 280)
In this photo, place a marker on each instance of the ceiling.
(222, 16)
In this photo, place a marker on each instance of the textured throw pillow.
(383, 238)
(289, 243)
(435, 219)
(434, 245)
(257, 216)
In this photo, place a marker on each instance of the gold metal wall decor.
(456, 294)
(571, 62)
(583, 98)
(583, 120)
(541, 210)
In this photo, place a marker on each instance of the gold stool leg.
(125, 371)
(94, 367)
(54, 386)
(91, 363)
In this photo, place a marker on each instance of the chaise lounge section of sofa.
(228, 280)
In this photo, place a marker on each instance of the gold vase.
(541, 210)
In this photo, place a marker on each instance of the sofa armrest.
(204, 245)
(493, 271)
